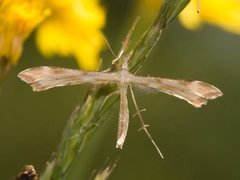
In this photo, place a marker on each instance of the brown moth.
(194, 92)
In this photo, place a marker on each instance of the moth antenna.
(127, 40)
(125, 43)
(109, 96)
(109, 47)
(144, 127)
(99, 64)
(129, 34)
(198, 6)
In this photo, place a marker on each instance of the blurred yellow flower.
(18, 18)
(222, 13)
(64, 27)
(73, 28)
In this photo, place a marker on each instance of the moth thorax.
(124, 76)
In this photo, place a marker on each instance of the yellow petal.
(18, 18)
(52, 37)
(189, 16)
(73, 29)
(222, 13)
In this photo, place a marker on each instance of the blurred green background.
(197, 143)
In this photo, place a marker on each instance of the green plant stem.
(98, 103)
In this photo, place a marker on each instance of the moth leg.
(144, 126)
(117, 92)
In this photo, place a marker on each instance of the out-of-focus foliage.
(221, 13)
(197, 143)
(18, 18)
(66, 28)
(73, 29)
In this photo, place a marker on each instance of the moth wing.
(43, 78)
(194, 92)
(123, 118)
